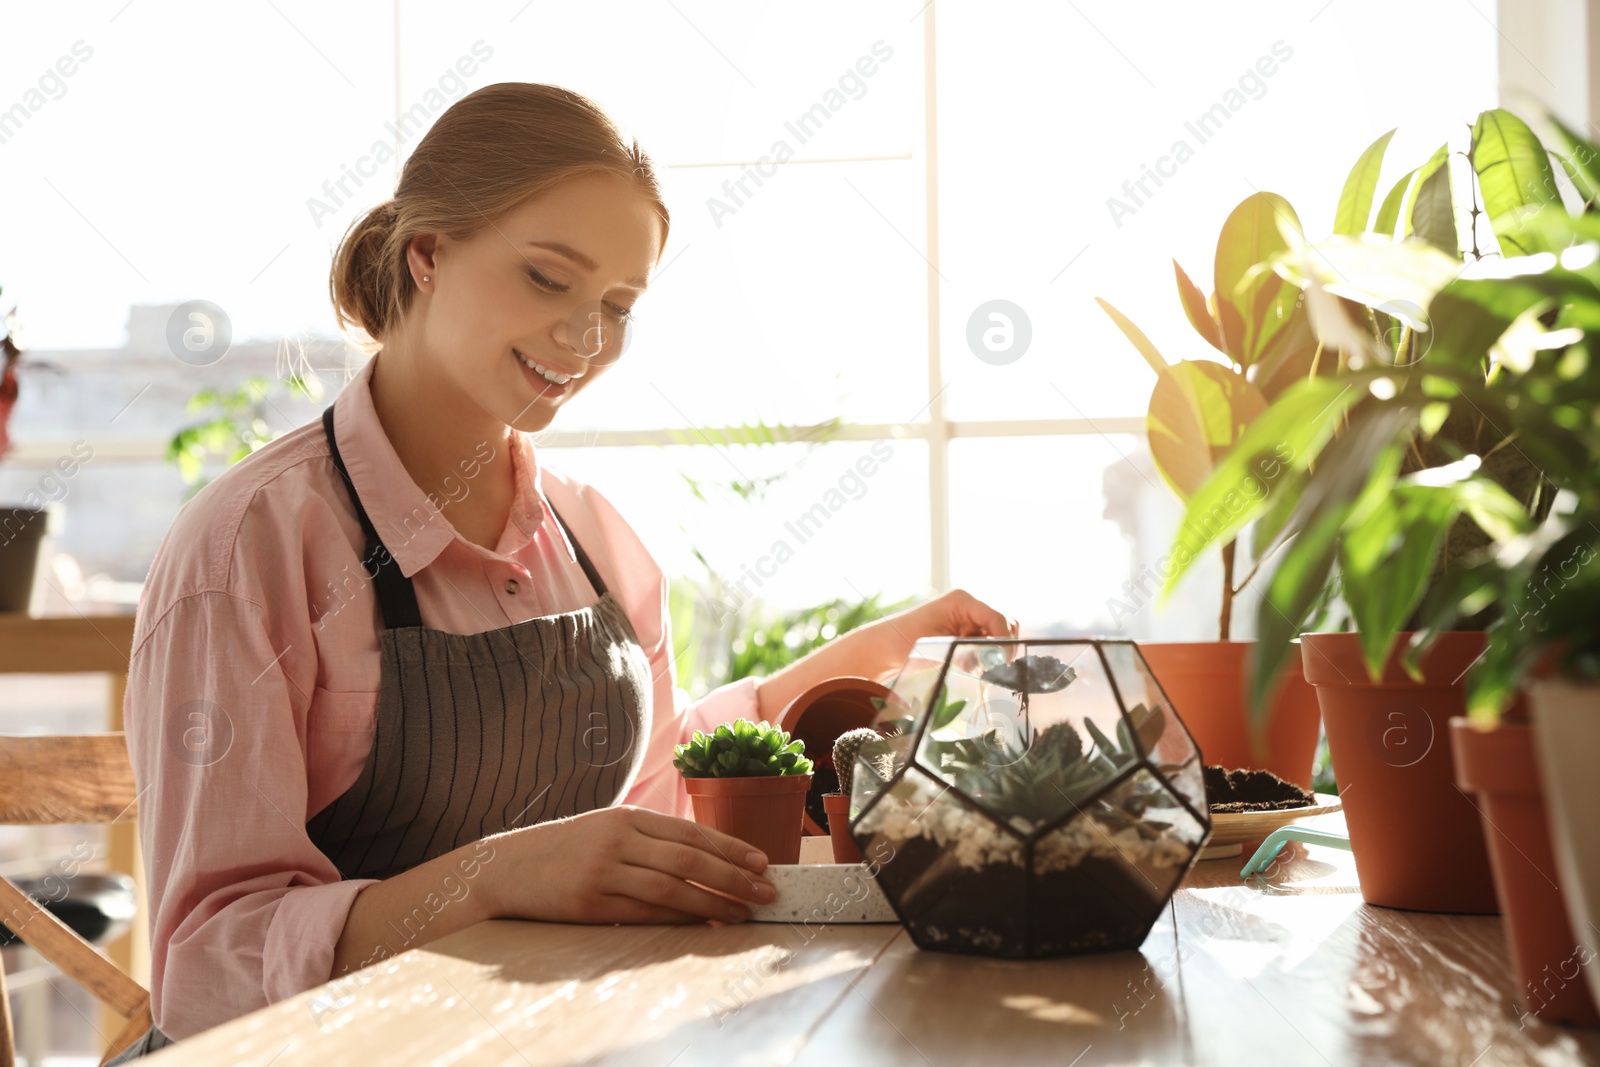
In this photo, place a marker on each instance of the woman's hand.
(623, 865)
(887, 642)
(879, 649)
(956, 614)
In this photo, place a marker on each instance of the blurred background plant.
(711, 648)
(718, 634)
(235, 424)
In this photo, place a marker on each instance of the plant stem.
(1225, 625)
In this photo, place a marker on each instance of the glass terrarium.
(1029, 797)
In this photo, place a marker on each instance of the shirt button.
(511, 586)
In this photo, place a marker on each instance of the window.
(240, 142)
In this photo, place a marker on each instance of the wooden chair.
(45, 780)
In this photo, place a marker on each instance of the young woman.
(393, 674)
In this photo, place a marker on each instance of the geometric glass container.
(1030, 798)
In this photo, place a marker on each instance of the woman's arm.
(880, 648)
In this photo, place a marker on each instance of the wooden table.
(1294, 969)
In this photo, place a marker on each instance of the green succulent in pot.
(741, 749)
(748, 779)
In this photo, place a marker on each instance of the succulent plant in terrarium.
(1035, 804)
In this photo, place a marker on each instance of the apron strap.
(583, 557)
(396, 596)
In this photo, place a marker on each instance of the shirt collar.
(412, 527)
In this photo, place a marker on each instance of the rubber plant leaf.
(1251, 238)
(1199, 312)
(1198, 410)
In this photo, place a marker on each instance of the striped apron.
(480, 733)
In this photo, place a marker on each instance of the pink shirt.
(252, 693)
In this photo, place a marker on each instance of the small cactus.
(844, 754)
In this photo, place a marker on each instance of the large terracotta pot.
(1208, 686)
(1566, 730)
(1498, 764)
(764, 811)
(1415, 836)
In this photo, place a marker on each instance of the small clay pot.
(845, 849)
(1207, 683)
(1415, 836)
(1499, 765)
(760, 811)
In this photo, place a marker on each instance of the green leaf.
(945, 712)
(1389, 213)
(1433, 215)
(1157, 362)
(1437, 162)
(1387, 559)
(1355, 200)
(1374, 272)
(1292, 430)
(1292, 591)
(1513, 173)
(1581, 161)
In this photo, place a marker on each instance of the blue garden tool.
(1282, 836)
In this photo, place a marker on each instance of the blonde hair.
(490, 152)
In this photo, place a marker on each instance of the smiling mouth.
(552, 376)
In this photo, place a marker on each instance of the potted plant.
(1035, 798)
(23, 527)
(1259, 342)
(1534, 780)
(749, 780)
(1396, 478)
(818, 717)
(837, 804)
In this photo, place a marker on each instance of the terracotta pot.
(845, 849)
(818, 716)
(764, 812)
(1415, 836)
(1498, 764)
(1207, 683)
(1566, 731)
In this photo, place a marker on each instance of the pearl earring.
(424, 277)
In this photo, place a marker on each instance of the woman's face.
(550, 285)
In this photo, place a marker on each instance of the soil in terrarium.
(1232, 792)
(1099, 905)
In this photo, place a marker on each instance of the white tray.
(819, 891)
